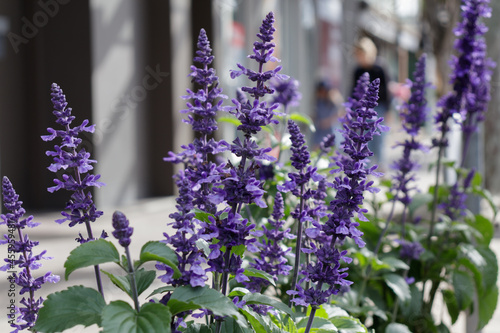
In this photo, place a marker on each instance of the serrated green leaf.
(398, 285)
(463, 285)
(252, 272)
(490, 270)
(239, 291)
(90, 254)
(301, 118)
(451, 304)
(256, 321)
(318, 324)
(238, 250)
(143, 280)
(161, 290)
(397, 328)
(487, 305)
(486, 229)
(202, 215)
(229, 120)
(257, 298)
(231, 325)
(395, 263)
(198, 328)
(347, 324)
(188, 298)
(120, 317)
(77, 305)
(158, 251)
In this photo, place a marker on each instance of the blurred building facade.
(123, 65)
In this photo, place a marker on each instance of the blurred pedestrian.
(365, 52)
(326, 112)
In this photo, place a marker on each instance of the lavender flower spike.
(27, 261)
(76, 163)
(122, 230)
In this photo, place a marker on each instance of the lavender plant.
(21, 256)
(76, 163)
(347, 262)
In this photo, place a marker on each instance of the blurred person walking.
(365, 52)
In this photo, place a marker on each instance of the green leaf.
(487, 305)
(198, 328)
(77, 305)
(238, 250)
(346, 324)
(418, 200)
(485, 194)
(395, 263)
(188, 298)
(90, 254)
(451, 304)
(202, 215)
(252, 272)
(397, 328)
(318, 324)
(490, 270)
(258, 324)
(143, 280)
(474, 261)
(257, 298)
(463, 285)
(161, 290)
(238, 291)
(231, 325)
(120, 317)
(301, 118)
(229, 120)
(486, 229)
(398, 285)
(203, 245)
(158, 251)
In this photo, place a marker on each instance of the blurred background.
(124, 63)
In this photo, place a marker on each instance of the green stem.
(376, 250)
(435, 194)
(298, 245)
(133, 284)
(311, 319)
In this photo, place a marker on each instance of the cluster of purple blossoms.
(240, 185)
(455, 205)
(76, 164)
(286, 92)
(197, 182)
(27, 261)
(272, 256)
(184, 240)
(360, 124)
(413, 114)
(471, 74)
(122, 230)
(472, 69)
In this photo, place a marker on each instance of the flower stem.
(436, 187)
(298, 244)
(311, 319)
(96, 267)
(133, 284)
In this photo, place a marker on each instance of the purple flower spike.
(122, 230)
(26, 261)
(286, 92)
(75, 162)
(272, 257)
(414, 115)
